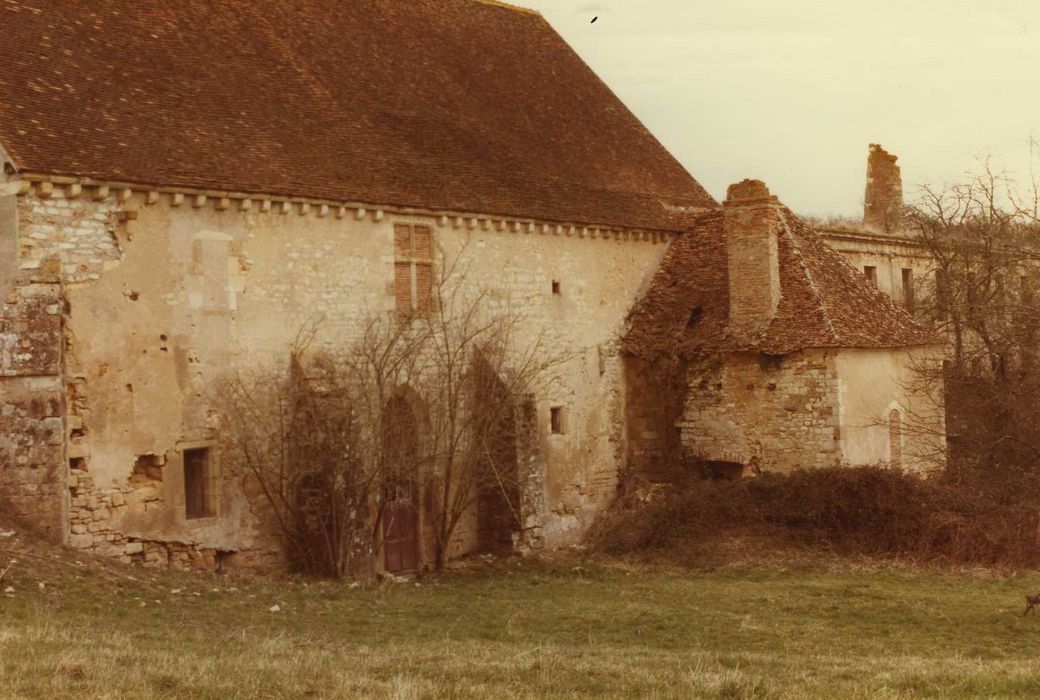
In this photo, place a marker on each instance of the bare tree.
(481, 378)
(414, 405)
(294, 431)
(983, 237)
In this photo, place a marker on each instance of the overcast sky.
(793, 91)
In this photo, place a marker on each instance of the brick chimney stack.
(883, 201)
(752, 221)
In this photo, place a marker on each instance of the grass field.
(515, 629)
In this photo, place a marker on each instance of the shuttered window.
(413, 269)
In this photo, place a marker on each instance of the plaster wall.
(890, 255)
(873, 383)
(163, 299)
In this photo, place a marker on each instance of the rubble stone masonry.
(883, 200)
(32, 427)
(771, 413)
(129, 306)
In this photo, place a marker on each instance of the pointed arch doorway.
(401, 525)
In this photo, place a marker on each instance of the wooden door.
(401, 553)
(401, 528)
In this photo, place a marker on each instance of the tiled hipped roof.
(454, 105)
(824, 302)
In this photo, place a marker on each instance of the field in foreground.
(515, 629)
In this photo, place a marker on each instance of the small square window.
(556, 287)
(870, 271)
(200, 489)
(556, 420)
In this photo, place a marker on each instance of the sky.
(792, 91)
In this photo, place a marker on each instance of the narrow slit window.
(895, 439)
(942, 294)
(556, 420)
(695, 316)
(200, 490)
(908, 289)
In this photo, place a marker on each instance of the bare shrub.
(297, 433)
(422, 407)
(478, 379)
(864, 511)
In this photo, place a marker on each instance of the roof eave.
(8, 165)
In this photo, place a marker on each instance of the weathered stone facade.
(32, 402)
(764, 412)
(187, 288)
(780, 354)
(142, 265)
(654, 391)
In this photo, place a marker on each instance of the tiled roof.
(454, 105)
(824, 303)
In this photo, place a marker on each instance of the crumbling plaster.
(161, 300)
(890, 255)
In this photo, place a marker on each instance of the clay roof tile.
(824, 302)
(461, 105)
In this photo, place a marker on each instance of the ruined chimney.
(883, 202)
(752, 220)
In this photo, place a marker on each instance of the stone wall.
(32, 456)
(32, 427)
(654, 393)
(162, 295)
(770, 413)
(883, 200)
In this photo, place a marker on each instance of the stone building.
(184, 185)
(880, 247)
(756, 345)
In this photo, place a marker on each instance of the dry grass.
(514, 629)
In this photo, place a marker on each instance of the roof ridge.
(508, 6)
(821, 301)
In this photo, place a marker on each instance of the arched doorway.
(895, 438)
(400, 489)
(498, 496)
